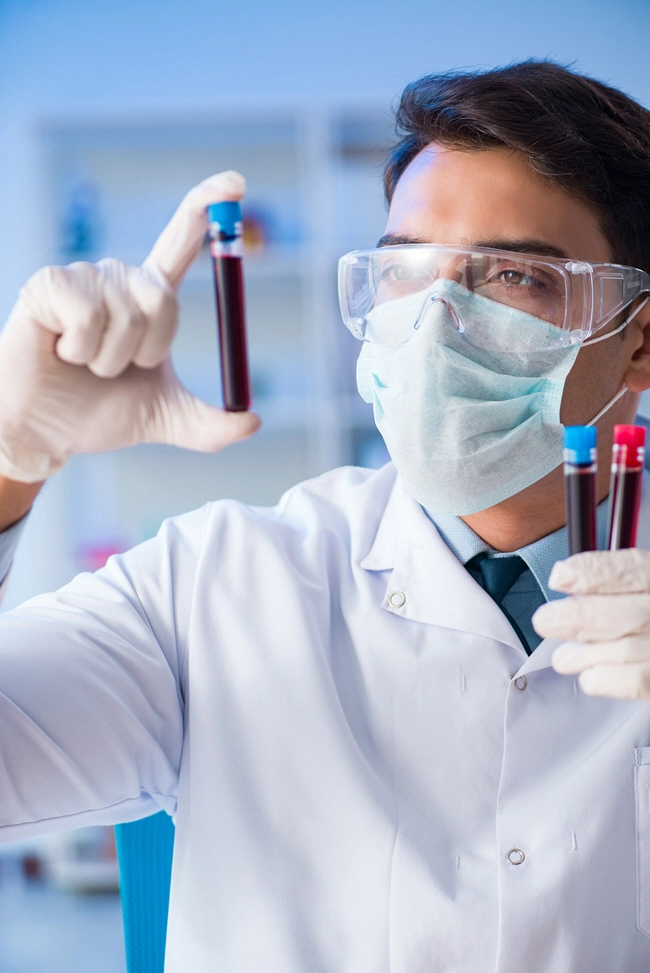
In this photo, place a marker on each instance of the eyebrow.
(537, 247)
(397, 240)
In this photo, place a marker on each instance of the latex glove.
(84, 356)
(606, 622)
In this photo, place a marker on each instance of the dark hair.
(588, 138)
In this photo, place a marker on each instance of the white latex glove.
(84, 356)
(606, 622)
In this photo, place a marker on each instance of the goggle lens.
(575, 297)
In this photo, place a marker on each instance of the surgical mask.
(467, 421)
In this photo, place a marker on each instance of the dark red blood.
(231, 317)
(624, 504)
(580, 489)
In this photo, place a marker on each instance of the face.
(492, 198)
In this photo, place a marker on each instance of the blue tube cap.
(581, 440)
(227, 214)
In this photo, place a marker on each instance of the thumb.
(182, 419)
(180, 242)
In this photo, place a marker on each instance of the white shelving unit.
(314, 192)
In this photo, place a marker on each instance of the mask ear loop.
(603, 337)
(621, 392)
(606, 408)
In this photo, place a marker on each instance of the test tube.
(226, 248)
(628, 460)
(580, 468)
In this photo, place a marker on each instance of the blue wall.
(85, 53)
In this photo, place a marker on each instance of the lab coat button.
(515, 856)
(520, 683)
(397, 599)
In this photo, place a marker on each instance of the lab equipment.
(580, 476)
(628, 461)
(133, 321)
(575, 297)
(467, 426)
(226, 248)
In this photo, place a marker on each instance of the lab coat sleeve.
(91, 694)
(8, 544)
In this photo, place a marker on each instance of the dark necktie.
(497, 575)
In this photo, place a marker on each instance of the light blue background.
(64, 58)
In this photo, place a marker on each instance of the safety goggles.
(575, 297)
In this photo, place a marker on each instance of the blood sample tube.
(580, 467)
(226, 248)
(628, 459)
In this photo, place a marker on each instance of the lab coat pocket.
(642, 789)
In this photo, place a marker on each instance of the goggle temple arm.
(614, 289)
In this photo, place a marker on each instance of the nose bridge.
(447, 302)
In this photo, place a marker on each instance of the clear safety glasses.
(575, 297)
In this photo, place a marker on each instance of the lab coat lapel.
(540, 658)
(427, 582)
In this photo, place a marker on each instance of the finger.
(618, 682)
(180, 242)
(605, 572)
(572, 657)
(202, 427)
(159, 309)
(68, 301)
(125, 323)
(181, 419)
(593, 618)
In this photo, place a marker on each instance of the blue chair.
(144, 853)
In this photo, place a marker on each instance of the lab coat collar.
(436, 588)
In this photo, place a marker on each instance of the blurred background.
(109, 113)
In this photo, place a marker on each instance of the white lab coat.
(323, 695)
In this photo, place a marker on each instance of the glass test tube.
(580, 490)
(226, 249)
(628, 459)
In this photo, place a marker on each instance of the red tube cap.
(629, 436)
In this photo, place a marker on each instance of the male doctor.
(375, 763)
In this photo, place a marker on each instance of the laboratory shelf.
(314, 192)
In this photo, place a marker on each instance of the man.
(372, 763)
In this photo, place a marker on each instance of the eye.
(398, 272)
(516, 278)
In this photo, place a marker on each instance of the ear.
(637, 376)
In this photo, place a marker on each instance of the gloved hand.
(84, 356)
(606, 622)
